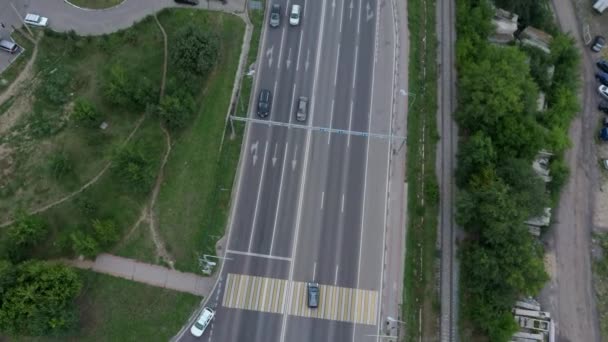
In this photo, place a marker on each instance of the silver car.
(275, 15)
(302, 112)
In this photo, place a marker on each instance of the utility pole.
(21, 20)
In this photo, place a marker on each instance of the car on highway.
(603, 106)
(602, 64)
(598, 43)
(313, 294)
(302, 112)
(294, 17)
(35, 20)
(603, 90)
(264, 103)
(275, 15)
(203, 320)
(187, 2)
(602, 77)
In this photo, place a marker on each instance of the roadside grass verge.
(194, 198)
(115, 309)
(420, 295)
(10, 74)
(95, 4)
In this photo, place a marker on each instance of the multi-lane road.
(312, 205)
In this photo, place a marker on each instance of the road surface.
(310, 205)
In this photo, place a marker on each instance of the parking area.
(10, 12)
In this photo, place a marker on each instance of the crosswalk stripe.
(227, 292)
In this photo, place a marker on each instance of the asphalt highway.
(311, 205)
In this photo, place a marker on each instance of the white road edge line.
(266, 256)
(350, 121)
(336, 275)
(314, 270)
(276, 214)
(337, 64)
(341, 15)
(342, 206)
(302, 185)
(322, 199)
(331, 120)
(388, 170)
(369, 125)
(255, 214)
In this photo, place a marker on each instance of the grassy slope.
(194, 200)
(419, 282)
(8, 76)
(115, 309)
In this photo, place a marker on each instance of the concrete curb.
(94, 9)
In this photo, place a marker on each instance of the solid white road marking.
(276, 214)
(350, 7)
(341, 17)
(269, 55)
(255, 215)
(350, 121)
(314, 271)
(333, 8)
(331, 120)
(258, 255)
(254, 151)
(294, 160)
(288, 62)
(306, 64)
(337, 61)
(342, 206)
(355, 65)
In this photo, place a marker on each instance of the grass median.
(421, 307)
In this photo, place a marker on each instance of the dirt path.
(166, 51)
(85, 186)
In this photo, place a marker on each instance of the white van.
(294, 17)
(36, 20)
(206, 316)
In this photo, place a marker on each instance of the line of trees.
(501, 132)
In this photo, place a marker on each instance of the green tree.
(85, 113)
(476, 153)
(133, 168)
(526, 189)
(84, 244)
(60, 165)
(106, 232)
(40, 299)
(117, 86)
(25, 233)
(176, 111)
(195, 49)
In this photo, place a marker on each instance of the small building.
(534, 37)
(505, 24)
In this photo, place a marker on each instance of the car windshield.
(294, 16)
(199, 326)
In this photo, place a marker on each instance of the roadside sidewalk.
(146, 273)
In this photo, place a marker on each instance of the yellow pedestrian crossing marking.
(271, 295)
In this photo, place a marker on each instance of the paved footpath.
(147, 273)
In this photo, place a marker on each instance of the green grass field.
(96, 4)
(115, 309)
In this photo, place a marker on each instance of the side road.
(64, 17)
(146, 273)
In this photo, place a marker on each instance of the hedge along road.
(65, 17)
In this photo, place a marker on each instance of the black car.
(603, 65)
(275, 15)
(264, 103)
(603, 106)
(602, 77)
(187, 2)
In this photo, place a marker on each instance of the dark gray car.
(264, 103)
(275, 15)
(313, 295)
(302, 112)
(598, 44)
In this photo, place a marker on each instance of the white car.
(294, 17)
(35, 20)
(603, 90)
(206, 316)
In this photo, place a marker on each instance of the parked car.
(187, 2)
(604, 134)
(605, 163)
(603, 90)
(602, 64)
(302, 112)
(598, 43)
(313, 295)
(275, 15)
(264, 103)
(35, 20)
(602, 77)
(8, 46)
(605, 121)
(294, 17)
(203, 320)
(603, 106)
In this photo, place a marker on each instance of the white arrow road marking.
(294, 161)
(306, 64)
(370, 13)
(288, 58)
(350, 16)
(274, 155)
(254, 151)
(333, 8)
(269, 55)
